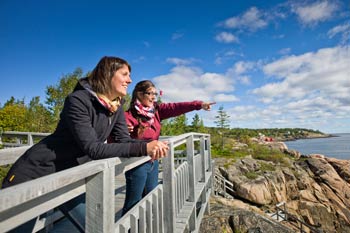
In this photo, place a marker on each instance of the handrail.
(97, 180)
(185, 190)
(19, 136)
(281, 209)
(223, 185)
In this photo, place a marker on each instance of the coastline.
(333, 146)
(314, 136)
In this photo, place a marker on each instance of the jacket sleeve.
(167, 110)
(120, 134)
(78, 112)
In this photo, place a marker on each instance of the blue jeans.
(74, 210)
(140, 181)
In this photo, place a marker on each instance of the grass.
(267, 167)
(262, 152)
(251, 175)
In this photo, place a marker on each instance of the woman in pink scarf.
(144, 118)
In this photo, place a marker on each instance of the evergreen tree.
(179, 124)
(222, 122)
(174, 126)
(222, 119)
(197, 124)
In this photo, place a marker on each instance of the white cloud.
(310, 88)
(226, 37)
(251, 20)
(239, 71)
(225, 98)
(312, 14)
(242, 67)
(189, 83)
(284, 51)
(325, 72)
(179, 61)
(343, 30)
(244, 80)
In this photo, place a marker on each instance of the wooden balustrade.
(176, 205)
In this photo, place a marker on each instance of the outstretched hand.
(207, 105)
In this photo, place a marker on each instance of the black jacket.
(84, 126)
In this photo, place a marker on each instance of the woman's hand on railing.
(130, 128)
(157, 149)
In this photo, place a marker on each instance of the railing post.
(208, 149)
(169, 191)
(192, 179)
(100, 201)
(30, 139)
(204, 154)
(203, 158)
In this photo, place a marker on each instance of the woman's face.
(148, 97)
(120, 82)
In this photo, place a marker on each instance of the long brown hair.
(100, 78)
(140, 87)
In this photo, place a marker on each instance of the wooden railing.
(185, 190)
(17, 139)
(222, 186)
(176, 205)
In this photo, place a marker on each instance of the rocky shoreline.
(311, 136)
(315, 189)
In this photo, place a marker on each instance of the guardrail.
(222, 186)
(184, 191)
(20, 138)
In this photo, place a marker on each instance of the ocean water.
(336, 147)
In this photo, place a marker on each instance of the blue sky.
(270, 64)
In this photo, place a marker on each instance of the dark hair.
(100, 78)
(142, 87)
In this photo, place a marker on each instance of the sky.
(269, 64)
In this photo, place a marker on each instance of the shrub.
(3, 171)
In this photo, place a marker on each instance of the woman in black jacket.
(91, 113)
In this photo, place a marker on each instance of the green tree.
(222, 119)
(223, 123)
(179, 124)
(56, 94)
(12, 115)
(174, 126)
(38, 117)
(127, 102)
(197, 124)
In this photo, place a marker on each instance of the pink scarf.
(147, 112)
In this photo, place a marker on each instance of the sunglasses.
(151, 93)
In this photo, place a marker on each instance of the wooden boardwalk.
(176, 205)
